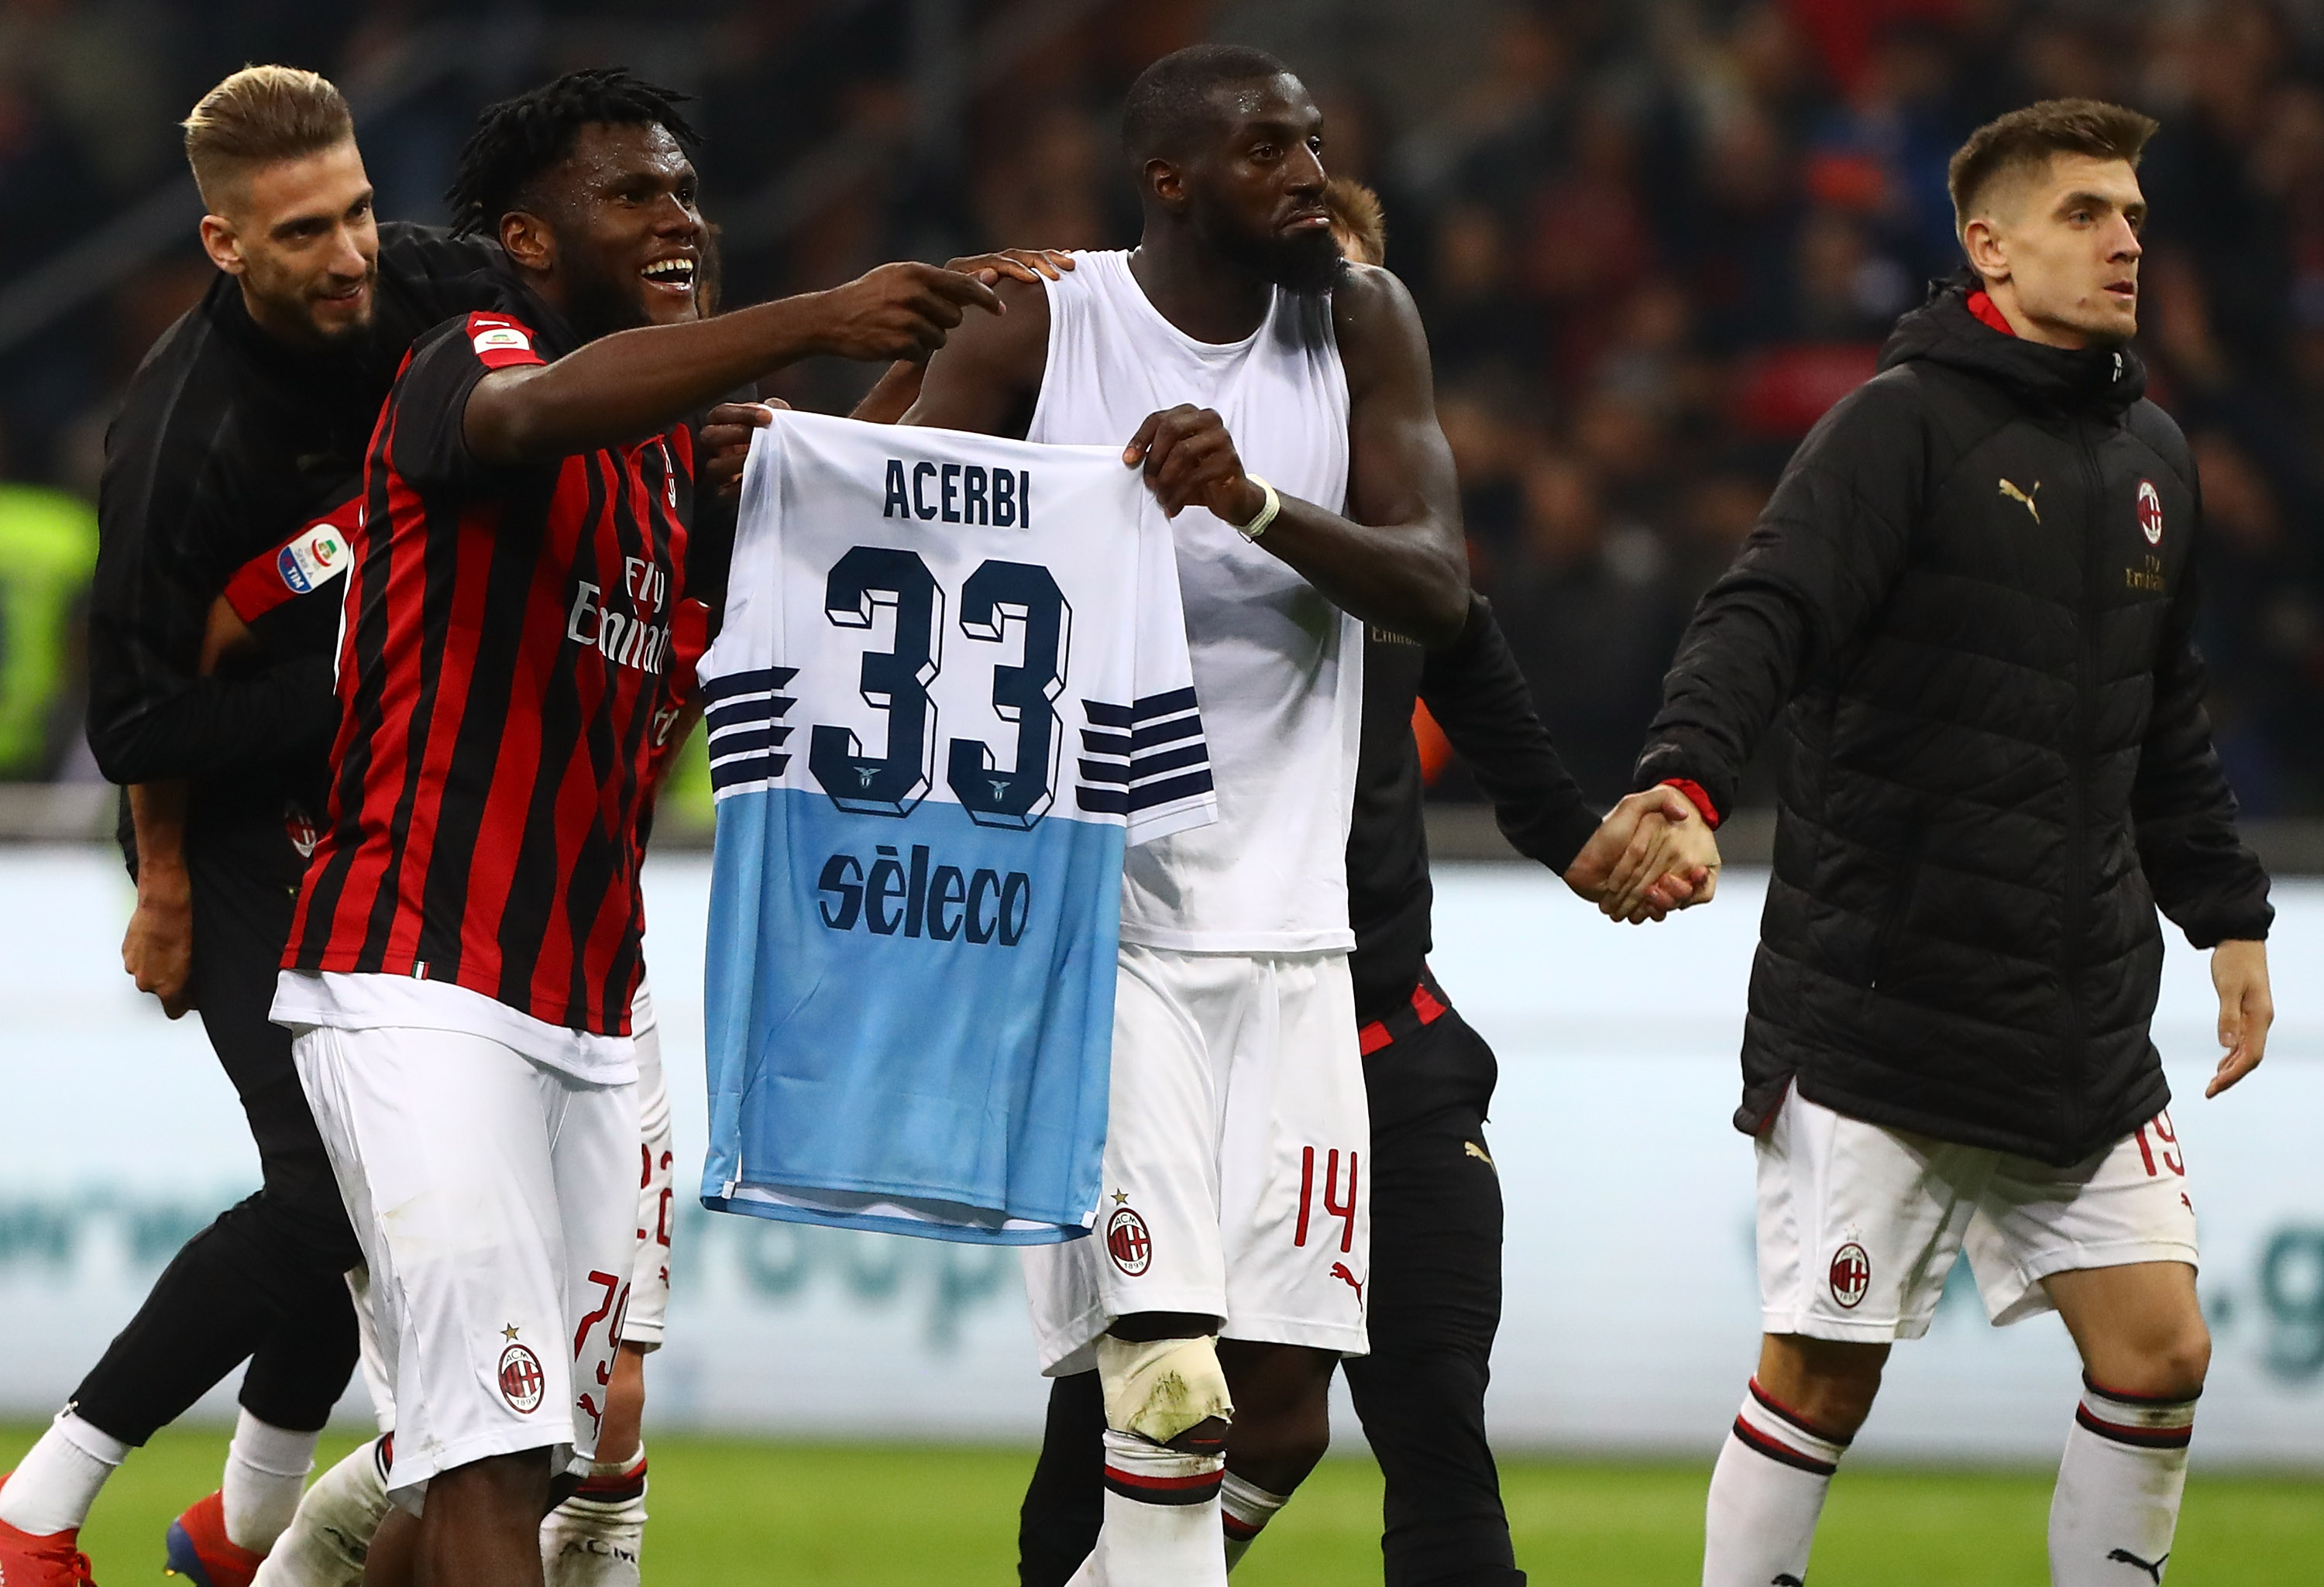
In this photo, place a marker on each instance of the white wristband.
(1274, 505)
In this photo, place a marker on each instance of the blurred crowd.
(1652, 241)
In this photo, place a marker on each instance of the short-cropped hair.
(259, 116)
(1170, 101)
(2031, 137)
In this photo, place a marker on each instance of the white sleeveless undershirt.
(1279, 670)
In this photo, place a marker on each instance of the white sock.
(2117, 1503)
(59, 1478)
(266, 1467)
(1162, 1526)
(1244, 1509)
(329, 1538)
(1765, 1494)
(593, 1539)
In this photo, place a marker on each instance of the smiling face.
(1254, 188)
(612, 235)
(301, 237)
(2058, 246)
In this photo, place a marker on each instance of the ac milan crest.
(522, 1382)
(1126, 1241)
(1851, 1275)
(2150, 511)
(299, 828)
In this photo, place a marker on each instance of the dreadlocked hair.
(517, 139)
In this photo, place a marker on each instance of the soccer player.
(1433, 1304)
(1973, 592)
(465, 944)
(244, 426)
(1226, 1277)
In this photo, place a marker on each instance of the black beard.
(1307, 263)
(597, 302)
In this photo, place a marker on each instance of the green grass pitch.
(737, 1511)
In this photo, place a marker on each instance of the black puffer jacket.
(1973, 589)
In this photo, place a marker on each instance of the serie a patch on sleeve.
(499, 341)
(303, 564)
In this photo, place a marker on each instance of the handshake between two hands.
(1653, 853)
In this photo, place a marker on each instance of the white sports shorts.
(1859, 1225)
(1237, 1147)
(495, 1202)
(657, 1161)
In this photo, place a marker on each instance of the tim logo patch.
(313, 559)
(522, 1382)
(1128, 1242)
(1851, 1275)
(2150, 511)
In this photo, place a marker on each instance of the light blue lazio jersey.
(950, 685)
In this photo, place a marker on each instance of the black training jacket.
(226, 443)
(1974, 591)
(1478, 694)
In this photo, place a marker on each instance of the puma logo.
(2154, 1569)
(1339, 1271)
(1480, 1154)
(2024, 498)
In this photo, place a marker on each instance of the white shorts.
(1859, 1225)
(494, 1203)
(1237, 1144)
(641, 1324)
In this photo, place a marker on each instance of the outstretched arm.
(1397, 558)
(889, 401)
(636, 382)
(1650, 854)
(1825, 552)
(986, 378)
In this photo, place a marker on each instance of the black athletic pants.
(1435, 1304)
(264, 1282)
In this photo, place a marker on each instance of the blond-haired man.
(228, 468)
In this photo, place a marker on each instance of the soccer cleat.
(41, 1560)
(200, 1551)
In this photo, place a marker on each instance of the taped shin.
(1161, 1387)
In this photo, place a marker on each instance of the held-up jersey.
(951, 684)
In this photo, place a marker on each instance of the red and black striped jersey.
(505, 649)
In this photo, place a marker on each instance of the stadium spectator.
(1677, 229)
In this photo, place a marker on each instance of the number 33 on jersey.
(950, 685)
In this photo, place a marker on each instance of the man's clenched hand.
(1190, 461)
(157, 950)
